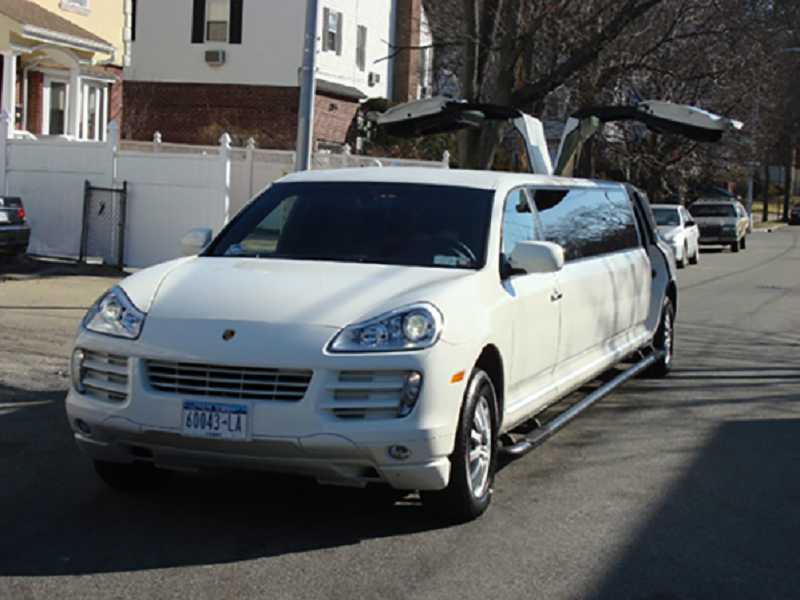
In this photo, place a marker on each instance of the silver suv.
(722, 223)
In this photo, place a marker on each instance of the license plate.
(4, 217)
(215, 420)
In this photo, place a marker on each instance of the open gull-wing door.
(440, 115)
(662, 117)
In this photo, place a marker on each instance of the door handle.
(556, 296)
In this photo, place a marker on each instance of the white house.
(202, 67)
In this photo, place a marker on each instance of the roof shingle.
(25, 12)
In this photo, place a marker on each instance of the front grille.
(105, 376)
(365, 394)
(711, 230)
(221, 381)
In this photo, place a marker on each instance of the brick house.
(62, 63)
(203, 67)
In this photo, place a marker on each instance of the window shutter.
(133, 20)
(326, 16)
(199, 22)
(236, 22)
(339, 33)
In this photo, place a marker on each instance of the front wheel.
(664, 342)
(682, 262)
(474, 458)
(695, 258)
(735, 246)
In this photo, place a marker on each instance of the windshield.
(387, 223)
(712, 210)
(666, 216)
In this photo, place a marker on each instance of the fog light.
(83, 427)
(76, 370)
(399, 452)
(412, 384)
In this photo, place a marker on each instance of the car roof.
(488, 180)
(673, 206)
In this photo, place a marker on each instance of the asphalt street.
(676, 489)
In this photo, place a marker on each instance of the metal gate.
(103, 235)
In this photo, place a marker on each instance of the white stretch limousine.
(396, 326)
(356, 327)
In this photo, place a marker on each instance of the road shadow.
(58, 519)
(729, 529)
(30, 267)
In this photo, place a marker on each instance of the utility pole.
(308, 90)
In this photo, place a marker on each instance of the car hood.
(280, 291)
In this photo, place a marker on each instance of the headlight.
(409, 328)
(114, 314)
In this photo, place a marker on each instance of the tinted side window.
(518, 222)
(587, 222)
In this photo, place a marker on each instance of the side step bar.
(541, 434)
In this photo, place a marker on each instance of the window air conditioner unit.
(215, 57)
(373, 79)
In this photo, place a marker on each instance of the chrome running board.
(541, 434)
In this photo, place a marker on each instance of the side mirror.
(194, 241)
(537, 257)
(690, 223)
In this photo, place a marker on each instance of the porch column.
(74, 104)
(9, 89)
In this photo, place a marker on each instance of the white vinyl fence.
(171, 188)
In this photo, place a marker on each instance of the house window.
(361, 48)
(332, 31)
(217, 21)
(55, 107)
(93, 113)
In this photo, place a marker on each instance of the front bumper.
(306, 437)
(14, 238)
(718, 240)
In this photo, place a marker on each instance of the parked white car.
(372, 326)
(679, 230)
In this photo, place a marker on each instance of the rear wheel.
(695, 258)
(474, 458)
(131, 477)
(664, 341)
(744, 243)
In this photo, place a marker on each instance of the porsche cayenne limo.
(359, 328)
(393, 327)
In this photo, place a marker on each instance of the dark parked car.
(14, 231)
(794, 216)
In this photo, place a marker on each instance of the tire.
(743, 243)
(474, 459)
(735, 246)
(133, 477)
(664, 340)
(682, 262)
(695, 258)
